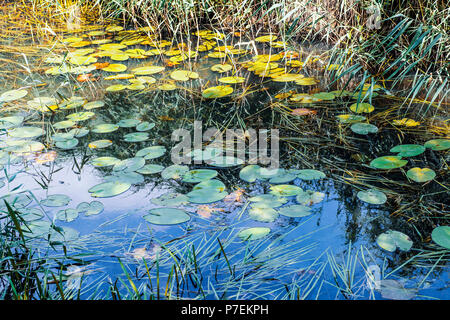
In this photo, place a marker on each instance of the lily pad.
(408, 150)
(175, 171)
(364, 128)
(67, 144)
(372, 196)
(109, 189)
(295, 211)
(362, 107)
(217, 92)
(128, 123)
(441, 236)
(136, 137)
(100, 144)
(152, 152)
(145, 126)
(395, 290)
(150, 169)
(67, 215)
(421, 174)
(263, 214)
(253, 233)
(392, 239)
(285, 190)
(12, 95)
(26, 132)
(105, 128)
(90, 209)
(171, 199)
(438, 144)
(196, 176)
(104, 161)
(167, 216)
(310, 174)
(309, 197)
(388, 162)
(56, 200)
(267, 201)
(130, 164)
(250, 173)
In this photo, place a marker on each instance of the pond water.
(69, 130)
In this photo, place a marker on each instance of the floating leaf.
(128, 123)
(26, 132)
(152, 152)
(150, 169)
(421, 174)
(183, 75)
(364, 128)
(441, 236)
(250, 173)
(130, 164)
(13, 95)
(145, 126)
(391, 239)
(136, 137)
(309, 197)
(267, 201)
(56, 200)
(167, 216)
(172, 199)
(362, 107)
(105, 128)
(372, 196)
(263, 214)
(67, 215)
(253, 233)
(90, 209)
(109, 189)
(221, 68)
(232, 80)
(174, 171)
(310, 174)
(115, 67)
(438, 144)
(388, 162)
(67, 144)
(217, 92)
(350, 118)
(394, 290)
(295, 211)
(100, 144)
(285, 190)
(142, 71)
(199, 175)
(408, 150)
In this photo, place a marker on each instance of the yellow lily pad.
(217, 92)
(115, 67)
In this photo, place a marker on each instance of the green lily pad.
(24, 146)
(145, 126)
(128, 123)
(364, 128)
(10, 122)
(388, 162)
(253, 233)
(104, 161)
(362, 107)
(438, 144)
(392, 239)
(56, 200)
(105, 128)
(441, 236)
(408, 150)
(109, 189)
(372, 196)
(93, 105)
(250, 173)
(62, 136)
(100, 144)
(285, 190)
(26, 132)
(136, 137)
(283, 176)
(150, 169)
(421, 174)
(171, 199)
(67, 215)
(267, 201)
(350, 118)
(126, 177)
(130, 164)
(12, 95)
(90, 209)
(31, 214)
(152, 152)
(174, 172)
(196, 176)
(309, 197)
(263, 214)
(225, 162)
(64, 124)
(310, 174)
(81, 116)
(295, 211)
(79, 132)
(167, 216)
(67, 144)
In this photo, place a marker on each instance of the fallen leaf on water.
(84, 77)
(46, 157)
(101, 65)
(303, 112)
(205, 210)
(235, 196)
